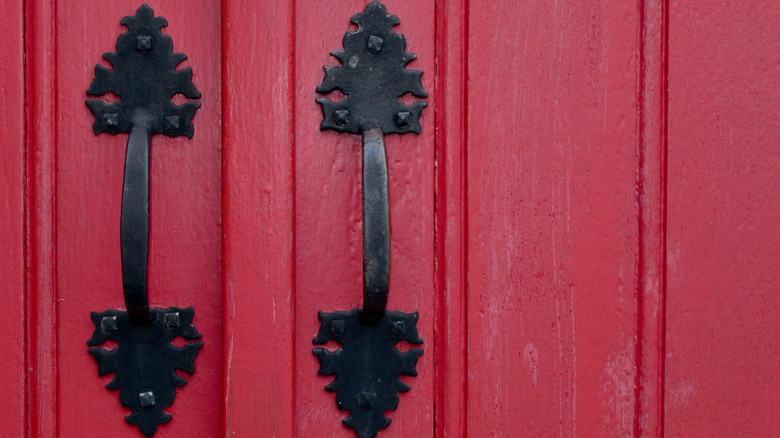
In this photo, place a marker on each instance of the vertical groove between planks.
(226, 346)
(652, 97)
(451, 349)
(291, 128)
(41, 298)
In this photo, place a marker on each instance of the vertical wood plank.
(258, 212)
(450, 368)
(12, 222)
(552, 218)
(723, 241)
(328, 237)
(185, 237)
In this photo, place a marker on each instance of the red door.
(587, 223)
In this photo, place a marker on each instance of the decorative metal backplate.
(145, 361)
(144, 77)
(373, 76)
(368, 365)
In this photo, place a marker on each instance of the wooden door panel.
(552, 219)
(185, 211)
(529, 221)
(723, 245)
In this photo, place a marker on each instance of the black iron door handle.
(372, 76)
(144, 77)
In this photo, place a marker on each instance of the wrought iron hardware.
(144, 77)
(372, 76)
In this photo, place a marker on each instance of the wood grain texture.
(552, 218)
(258, 213)
(184, 262)
(12, 224)
(328, 233)
(723, 248)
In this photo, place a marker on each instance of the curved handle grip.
(376, 226)
(135, 224)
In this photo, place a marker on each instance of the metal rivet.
(172, 319)
(108, 324)
(143, 42)
(366, 400)
(342, 117)
(172, 122)
(403, 118)
(374, 43)
(146, 399)
(398, 328)
(337, 327)
(110, 120)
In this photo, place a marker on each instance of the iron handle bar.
(134, 227)
(376, 226)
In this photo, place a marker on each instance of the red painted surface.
(12, 170)
(723, 241)
(40, 187)
(587, 224)
(651, 191)
(552, 219)
(258, 215)
(451, 361)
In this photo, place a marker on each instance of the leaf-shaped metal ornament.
(368, 365)
(144, 77)
(372, 75)
(144, 360)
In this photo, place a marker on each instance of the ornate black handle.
(372, 76)
(145, 78)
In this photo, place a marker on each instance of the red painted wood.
(185, 210)
(450, 367)
(258, 214)
(552, 219)
(41, 106)
(651, 155)
(328, 233)
(12, 171)
(590, 254)
(723, 241)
